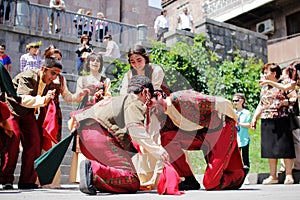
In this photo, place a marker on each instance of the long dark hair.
(140, 50)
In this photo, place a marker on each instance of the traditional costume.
(94, 85)
(106, 132)
(145, 162)
(50, 119)
(5, 129)
(25, 127)
(195, 121)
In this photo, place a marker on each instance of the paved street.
(247, 192)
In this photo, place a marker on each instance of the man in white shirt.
(112, 48)
(185, 21)
(161, 25)
(57, 5)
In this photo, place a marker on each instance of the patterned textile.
(196, 107)
(28, 61)
(113, 170)
(270, 97)
(5, 60)
(93, 89)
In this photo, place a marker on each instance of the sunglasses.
(235, 100)
(36, 47)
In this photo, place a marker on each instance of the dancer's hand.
(165, 157)
(50, 95)
(73, 124)
(84, 92)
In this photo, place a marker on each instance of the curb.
(255, 178)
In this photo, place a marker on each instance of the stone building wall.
(226, 38)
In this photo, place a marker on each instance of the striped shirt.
(28, 61)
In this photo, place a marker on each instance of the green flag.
(47, 164)
(6, 84)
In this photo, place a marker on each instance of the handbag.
(292, 116)
(293, 119)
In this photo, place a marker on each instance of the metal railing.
(36, 17)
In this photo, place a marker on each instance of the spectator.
(161, 26)
(290, 82)
(4, 11)
(57, 6)
(31, 60)
(88, 25)
(185, 21)
(276, 135)
(101, 27)
(5, 59)
(112, 49)
(243, 124)
(83, 48)
(78, 20)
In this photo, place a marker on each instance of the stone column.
(22, 12)
(141, 32)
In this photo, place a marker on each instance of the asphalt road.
(247, 192)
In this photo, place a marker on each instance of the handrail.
(36, 17)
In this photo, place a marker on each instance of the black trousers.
(245, 155)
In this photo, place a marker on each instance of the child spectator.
(78, 20)
(244, 118)
(101, 27)
(88, 25)
(5, 59)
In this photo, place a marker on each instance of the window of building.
(154, 3)
(293, 23)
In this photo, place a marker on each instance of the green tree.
(237, 75)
